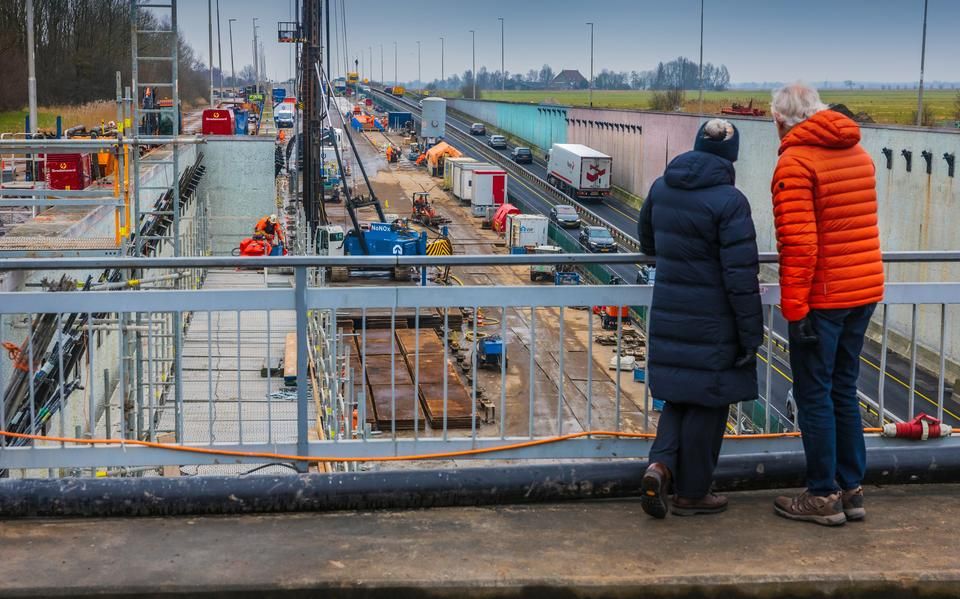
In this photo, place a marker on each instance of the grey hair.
(795, 103)
(718, 130)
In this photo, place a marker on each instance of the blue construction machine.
(490, 352)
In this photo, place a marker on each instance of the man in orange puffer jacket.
(831, 278)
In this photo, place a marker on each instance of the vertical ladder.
(148, 117)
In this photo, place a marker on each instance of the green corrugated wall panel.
(541, 125)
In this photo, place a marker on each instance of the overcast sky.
(758, 40)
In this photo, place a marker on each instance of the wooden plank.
(290, 360)
(168, 470)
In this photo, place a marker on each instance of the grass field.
(897, 107)
(87, 114)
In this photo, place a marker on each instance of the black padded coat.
(706, 299)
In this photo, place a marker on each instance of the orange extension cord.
(430, 456)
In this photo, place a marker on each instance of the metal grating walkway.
(225, 397)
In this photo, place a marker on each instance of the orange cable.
(431, 456)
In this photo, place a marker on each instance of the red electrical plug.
(921, 428)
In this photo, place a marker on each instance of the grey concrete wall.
(238, 186)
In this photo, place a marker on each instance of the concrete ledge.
(908, 547)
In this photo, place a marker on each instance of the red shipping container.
(68, 171)
(217, 121)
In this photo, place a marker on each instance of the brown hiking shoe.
(711, 503)
(853, 504)
(654, 489)
(811, 508)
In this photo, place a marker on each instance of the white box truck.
(489, 188)
(526, 231)
(581, 172)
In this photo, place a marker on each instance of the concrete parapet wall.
(239, 188)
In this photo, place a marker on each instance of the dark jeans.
(825, 389)
(688, 444)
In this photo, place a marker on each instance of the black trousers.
(688, 444)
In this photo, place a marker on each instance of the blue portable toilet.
(241, 122)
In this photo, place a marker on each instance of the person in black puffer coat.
(706, 320)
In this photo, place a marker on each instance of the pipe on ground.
(483, 485)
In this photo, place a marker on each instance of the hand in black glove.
(802, 333)
(747, 356)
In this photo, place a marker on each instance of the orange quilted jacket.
(825, 213)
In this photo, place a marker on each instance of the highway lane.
(613, 210)
(623, 216)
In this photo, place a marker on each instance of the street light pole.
(503, 73)
(256, 60)
(31, 70)
(219, 51)
(590, 83)
(419, 83)
(381, 64)
(701, 57)
(923, 56)
(396, 80)
(210, 39)
(473, 42)
(233, 70)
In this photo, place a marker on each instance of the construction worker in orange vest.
(272, 230)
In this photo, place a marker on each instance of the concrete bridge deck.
(907, 547)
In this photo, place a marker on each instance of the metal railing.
(360, 380)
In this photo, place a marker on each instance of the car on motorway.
(565, 215)
(597, 239)
(521, 154)
(497, 141)
(478, 129)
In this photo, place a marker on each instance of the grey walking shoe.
(853, 504)
(827, 511)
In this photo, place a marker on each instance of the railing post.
(300, 305)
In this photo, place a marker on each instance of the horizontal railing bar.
(37, 146)
(390, 261)
(146, 301)
(13, 302)
(580, 448)
(40, 192)
(39, 201)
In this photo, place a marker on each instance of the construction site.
(339, 294)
